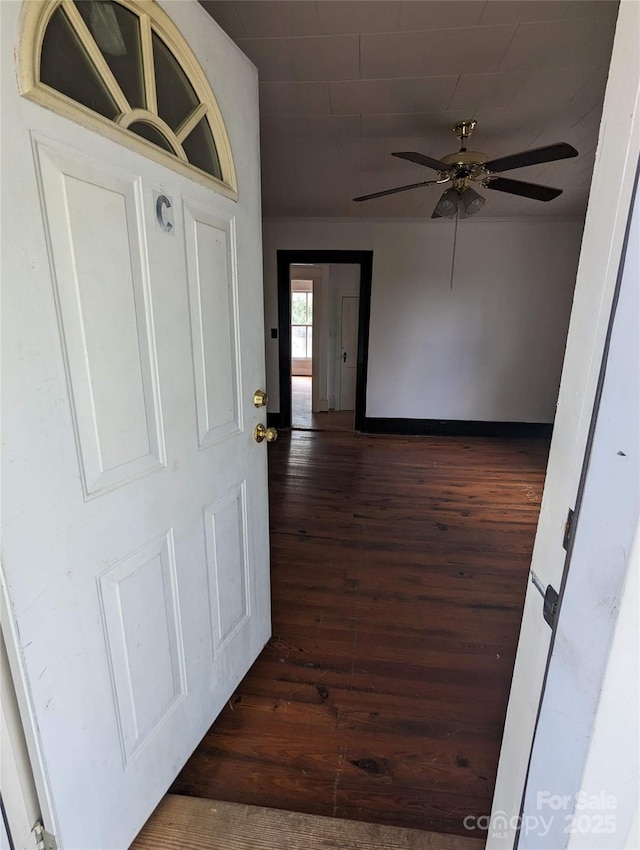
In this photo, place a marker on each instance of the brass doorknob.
(261, 433)
(260, 398)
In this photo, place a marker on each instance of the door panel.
(139, 601)
(227, 543)
(135, 529)
(213, 292)
(92, 220)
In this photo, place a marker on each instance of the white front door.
(134, 523)
(348, 351)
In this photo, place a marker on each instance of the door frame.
(597, 411)
(607, 216)
(19, 802)
(289, 258)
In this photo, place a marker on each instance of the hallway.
(399, 570)
(302, 417)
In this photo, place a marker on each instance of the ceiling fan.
(466, 167)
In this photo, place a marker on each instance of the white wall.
(489, 350)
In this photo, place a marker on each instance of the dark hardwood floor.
(399, 572)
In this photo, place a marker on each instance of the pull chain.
(455, 240)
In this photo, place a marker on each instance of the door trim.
(294, 257)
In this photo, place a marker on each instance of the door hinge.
(568, 528)
(44, 839)
(550, 605)
(550, 600)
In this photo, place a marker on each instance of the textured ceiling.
(342, 84)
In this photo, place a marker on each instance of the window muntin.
(151, 133)
(175, 95)
(66, 66)
(116, 31)
(201, 149)
(125, 62)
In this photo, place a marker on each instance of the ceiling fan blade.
(393, 191)
(526, 190)
(550, 153)
(421, 159)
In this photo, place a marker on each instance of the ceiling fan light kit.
(447, 206)
(466, 167)
(466, 201)
(472, 201)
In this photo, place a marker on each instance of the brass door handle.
(261, 433)
(260, 398)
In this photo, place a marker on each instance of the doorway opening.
(324, 363)
(397, 587)
(324, 301)
(304, 377)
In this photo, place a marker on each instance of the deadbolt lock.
(261, 433)
(260, 398)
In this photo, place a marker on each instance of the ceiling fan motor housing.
(465, 166)
(465, 158)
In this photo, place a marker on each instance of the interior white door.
(348, 351)
(135, 529)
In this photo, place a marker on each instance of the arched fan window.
(121, 66)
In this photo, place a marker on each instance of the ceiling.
(342, 84)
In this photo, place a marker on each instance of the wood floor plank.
(303, 418)
(399, 568)
(189, 823)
